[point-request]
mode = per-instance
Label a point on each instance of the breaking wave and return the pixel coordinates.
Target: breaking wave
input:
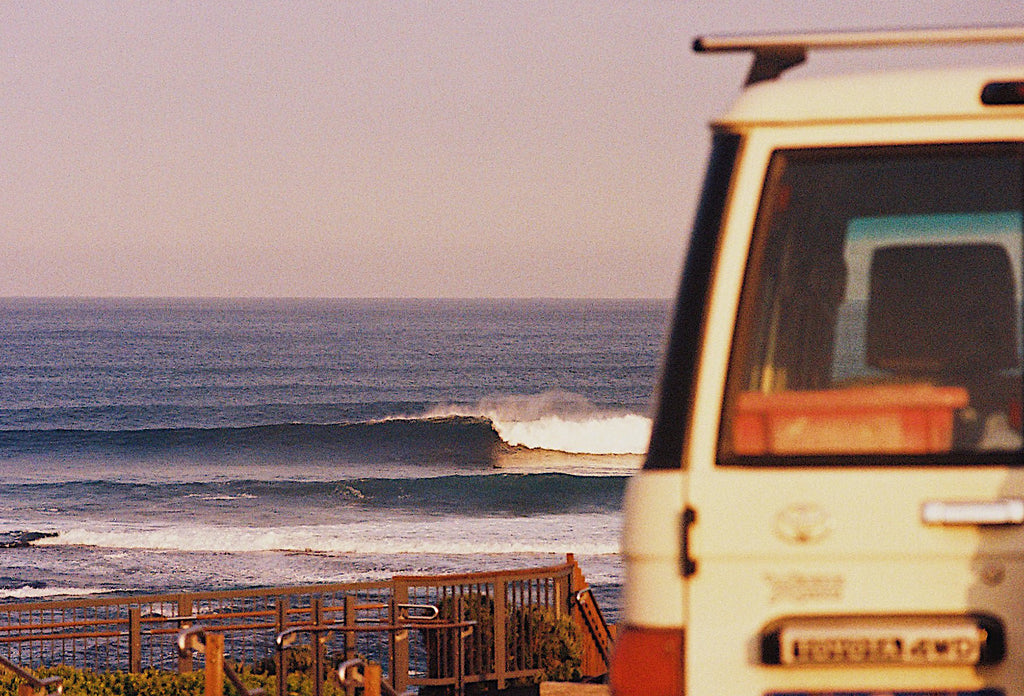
(559, 421)
(460, 435)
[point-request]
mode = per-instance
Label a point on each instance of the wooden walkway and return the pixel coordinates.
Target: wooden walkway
(443, 631)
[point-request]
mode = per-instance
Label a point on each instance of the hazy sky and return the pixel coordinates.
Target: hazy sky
(398, 149)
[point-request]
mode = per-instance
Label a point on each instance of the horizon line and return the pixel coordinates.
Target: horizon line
(453, 298)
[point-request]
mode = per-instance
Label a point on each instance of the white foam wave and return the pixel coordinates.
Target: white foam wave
(591, 533)
(29, 592)
(601, 435)
(560, 421)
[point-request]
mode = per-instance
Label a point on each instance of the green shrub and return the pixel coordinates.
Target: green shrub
(547, 641)
(84, 682)
(89, 683)
(479, 646)
(536, 638)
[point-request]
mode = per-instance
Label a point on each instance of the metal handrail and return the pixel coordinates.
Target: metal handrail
(285, 638)
(582, 593)
(432, 611)
(604, 639)
(192, 638)
(32, 680)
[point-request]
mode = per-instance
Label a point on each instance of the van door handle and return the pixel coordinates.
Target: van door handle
(988, 512)
(688, 565)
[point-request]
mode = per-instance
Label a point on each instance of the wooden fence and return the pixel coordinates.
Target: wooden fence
(133, 633)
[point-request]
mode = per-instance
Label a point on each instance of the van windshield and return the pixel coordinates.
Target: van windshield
(881, 310)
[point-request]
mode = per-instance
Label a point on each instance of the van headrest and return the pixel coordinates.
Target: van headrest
(941, 309)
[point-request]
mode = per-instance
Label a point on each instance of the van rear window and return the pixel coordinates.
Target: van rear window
(881, 311)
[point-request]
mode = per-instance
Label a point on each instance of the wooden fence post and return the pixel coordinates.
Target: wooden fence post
(563, 593)
(184, 609)
(371, 679)
(214, 671)
(349, 606)
(460, 657)
(316, 608)
(134, 640)
(500, 630)
(282, 605)
(399, 642)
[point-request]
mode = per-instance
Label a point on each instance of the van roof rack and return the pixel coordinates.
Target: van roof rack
(774, 54)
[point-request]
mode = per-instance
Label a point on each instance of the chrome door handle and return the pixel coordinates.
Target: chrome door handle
(988, 512)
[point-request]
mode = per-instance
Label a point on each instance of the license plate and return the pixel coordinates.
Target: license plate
(887, 650)
(910, 641)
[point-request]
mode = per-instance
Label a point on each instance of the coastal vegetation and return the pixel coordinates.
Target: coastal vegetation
(537, 638)
(152, 682)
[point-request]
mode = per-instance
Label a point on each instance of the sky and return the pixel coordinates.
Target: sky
(382, 149)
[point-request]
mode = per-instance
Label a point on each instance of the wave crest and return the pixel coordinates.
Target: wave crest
(602, 435)
(559, 421)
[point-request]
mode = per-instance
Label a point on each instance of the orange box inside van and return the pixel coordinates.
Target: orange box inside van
(913, 418)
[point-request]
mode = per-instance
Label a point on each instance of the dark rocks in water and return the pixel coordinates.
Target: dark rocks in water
(20, 539)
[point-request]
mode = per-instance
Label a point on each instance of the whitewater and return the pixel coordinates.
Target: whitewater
(162, 445)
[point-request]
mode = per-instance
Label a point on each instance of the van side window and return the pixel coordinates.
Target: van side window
(881, 310)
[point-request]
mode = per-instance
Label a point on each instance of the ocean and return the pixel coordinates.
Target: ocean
(154, 445)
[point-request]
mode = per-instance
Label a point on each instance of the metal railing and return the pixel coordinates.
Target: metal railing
(458, 631)
(31, 684)
(138, 632)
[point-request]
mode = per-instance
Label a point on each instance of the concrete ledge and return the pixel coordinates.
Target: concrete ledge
(573, 689)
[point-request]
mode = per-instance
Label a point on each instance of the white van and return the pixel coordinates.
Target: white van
(833, 499)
